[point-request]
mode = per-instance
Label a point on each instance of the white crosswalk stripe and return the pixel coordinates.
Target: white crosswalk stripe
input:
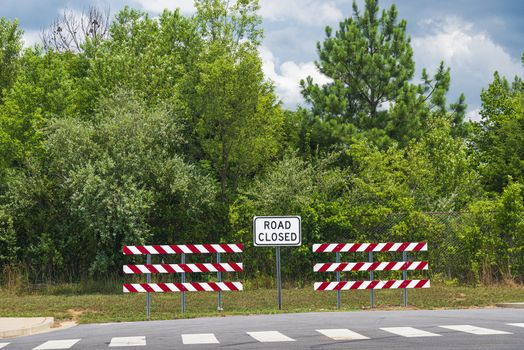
(474, 330)
(203, 338)
(57, 344)
(516, 324)
(341, 334)
(3, 345)
(270, 336)
(128, 341)
(409, 332)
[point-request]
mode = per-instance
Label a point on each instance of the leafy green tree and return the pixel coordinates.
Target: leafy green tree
(369, 60)
(144, 55)
(8, 246)
(45, 87)
(10, 50)
(441, 170)
(290, 186)
(491, 236)
(100, 185)
(500, 133)
(237, 118)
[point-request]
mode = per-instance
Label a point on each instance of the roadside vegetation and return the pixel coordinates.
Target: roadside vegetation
(65, 302)
(164, 130)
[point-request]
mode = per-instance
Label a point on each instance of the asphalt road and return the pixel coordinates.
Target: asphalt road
(438, 329)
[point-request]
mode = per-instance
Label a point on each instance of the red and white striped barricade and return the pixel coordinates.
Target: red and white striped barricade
(182, 269)
(371, 266)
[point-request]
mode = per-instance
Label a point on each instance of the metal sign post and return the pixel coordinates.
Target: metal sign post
(279, 280)
(277, 231)
(148, 296)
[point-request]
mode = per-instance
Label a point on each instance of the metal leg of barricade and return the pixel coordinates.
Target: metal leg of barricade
(183, 294)
(219, 279)
(371, 277)
(148, 295)
(338, 280)
(405, 277)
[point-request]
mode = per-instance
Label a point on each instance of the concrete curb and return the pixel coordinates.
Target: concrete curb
(24, 326)
(511, 305)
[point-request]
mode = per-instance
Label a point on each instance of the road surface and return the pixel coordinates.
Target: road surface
(438, 329)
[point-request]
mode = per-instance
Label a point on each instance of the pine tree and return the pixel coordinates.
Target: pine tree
(370, 61)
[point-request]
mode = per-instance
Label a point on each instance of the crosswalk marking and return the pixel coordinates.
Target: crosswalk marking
(409, 332)
(203, 338)
(474, 330)
(57, 344)
(341, 334)
(128, 341)
(270, 336)
(509, 324)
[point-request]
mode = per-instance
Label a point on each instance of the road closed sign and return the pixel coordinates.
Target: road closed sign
(277, 231)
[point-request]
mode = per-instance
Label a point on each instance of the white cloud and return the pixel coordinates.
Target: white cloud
(157, 6)
(472, 56)
(307, 11)
(474, 115)
(287, 76)
(31, 37)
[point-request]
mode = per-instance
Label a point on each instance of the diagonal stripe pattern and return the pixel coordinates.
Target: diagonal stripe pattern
(370, 247)
(373, 266)
(182, 287)
(389, 284)
(182, 249)
(183, 268)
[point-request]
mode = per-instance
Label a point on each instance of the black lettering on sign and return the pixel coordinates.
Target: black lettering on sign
(277, 231)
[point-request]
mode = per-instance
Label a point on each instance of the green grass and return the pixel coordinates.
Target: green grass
(65, 303)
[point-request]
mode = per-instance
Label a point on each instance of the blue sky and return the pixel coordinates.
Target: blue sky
(474, 38)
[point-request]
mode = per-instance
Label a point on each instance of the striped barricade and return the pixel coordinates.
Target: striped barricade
(182, 287)
(182, 269)
(371, 266)
(182, 249)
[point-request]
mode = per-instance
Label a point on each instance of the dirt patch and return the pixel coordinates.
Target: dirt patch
(76, 313)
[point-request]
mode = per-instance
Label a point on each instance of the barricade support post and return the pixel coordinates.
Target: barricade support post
(148, 296)
(338, 280)
(183, 278)
(219, 279)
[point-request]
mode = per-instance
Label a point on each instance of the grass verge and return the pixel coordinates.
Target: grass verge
(90, 308)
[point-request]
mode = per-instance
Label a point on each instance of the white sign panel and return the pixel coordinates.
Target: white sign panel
(273, 231)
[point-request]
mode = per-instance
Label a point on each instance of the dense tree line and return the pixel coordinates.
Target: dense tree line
(165, 130)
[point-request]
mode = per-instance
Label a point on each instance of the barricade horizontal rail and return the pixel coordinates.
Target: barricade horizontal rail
(389, 284)
(182, 268)
(182, 249)
(370, 247)
(182, 287)
(371, 266)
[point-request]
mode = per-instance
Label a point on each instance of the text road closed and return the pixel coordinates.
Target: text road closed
(277, 231)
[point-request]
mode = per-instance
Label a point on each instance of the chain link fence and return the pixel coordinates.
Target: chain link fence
(463, 247)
